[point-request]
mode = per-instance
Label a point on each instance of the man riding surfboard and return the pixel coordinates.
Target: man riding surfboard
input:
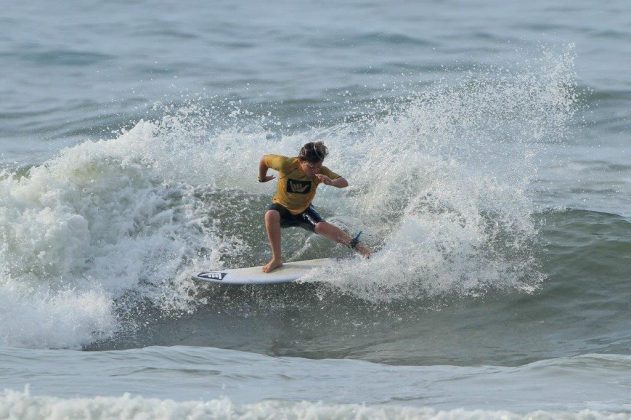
(298, 179)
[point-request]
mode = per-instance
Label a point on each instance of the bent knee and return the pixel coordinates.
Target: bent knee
(272, 215)
(320, 227)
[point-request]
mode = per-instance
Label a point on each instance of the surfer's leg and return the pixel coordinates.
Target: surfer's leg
(272, 225)
(336, 234)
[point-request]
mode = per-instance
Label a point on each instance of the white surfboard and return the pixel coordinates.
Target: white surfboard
(288, 272)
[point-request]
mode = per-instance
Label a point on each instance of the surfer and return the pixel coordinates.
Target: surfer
(298, 179)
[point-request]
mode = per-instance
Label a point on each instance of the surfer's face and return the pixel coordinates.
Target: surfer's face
(310, 168)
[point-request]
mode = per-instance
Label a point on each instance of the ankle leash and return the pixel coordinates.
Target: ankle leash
(353, 243)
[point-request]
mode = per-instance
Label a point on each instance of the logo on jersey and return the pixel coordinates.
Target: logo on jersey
(298, 187)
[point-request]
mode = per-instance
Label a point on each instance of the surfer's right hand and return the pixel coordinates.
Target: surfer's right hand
(266, 178)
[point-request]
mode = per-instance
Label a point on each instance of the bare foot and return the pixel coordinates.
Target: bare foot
(272, 265)
(363, 250)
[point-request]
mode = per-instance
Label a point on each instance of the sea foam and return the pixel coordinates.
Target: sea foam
(439, 186)
(22, 405)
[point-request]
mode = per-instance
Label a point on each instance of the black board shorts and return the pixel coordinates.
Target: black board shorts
(306, 220)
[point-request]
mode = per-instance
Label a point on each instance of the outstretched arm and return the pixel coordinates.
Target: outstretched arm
(263, 177)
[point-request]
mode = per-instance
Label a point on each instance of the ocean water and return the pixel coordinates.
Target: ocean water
(486, 147)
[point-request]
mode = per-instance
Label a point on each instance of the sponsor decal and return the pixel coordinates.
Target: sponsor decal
(212, 275)
(298, 187)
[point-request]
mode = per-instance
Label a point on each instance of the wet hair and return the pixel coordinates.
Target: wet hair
(313, 152)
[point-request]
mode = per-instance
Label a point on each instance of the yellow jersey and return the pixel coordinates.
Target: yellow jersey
(295, 190)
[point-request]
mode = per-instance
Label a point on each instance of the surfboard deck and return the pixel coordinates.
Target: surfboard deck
(287, 273)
